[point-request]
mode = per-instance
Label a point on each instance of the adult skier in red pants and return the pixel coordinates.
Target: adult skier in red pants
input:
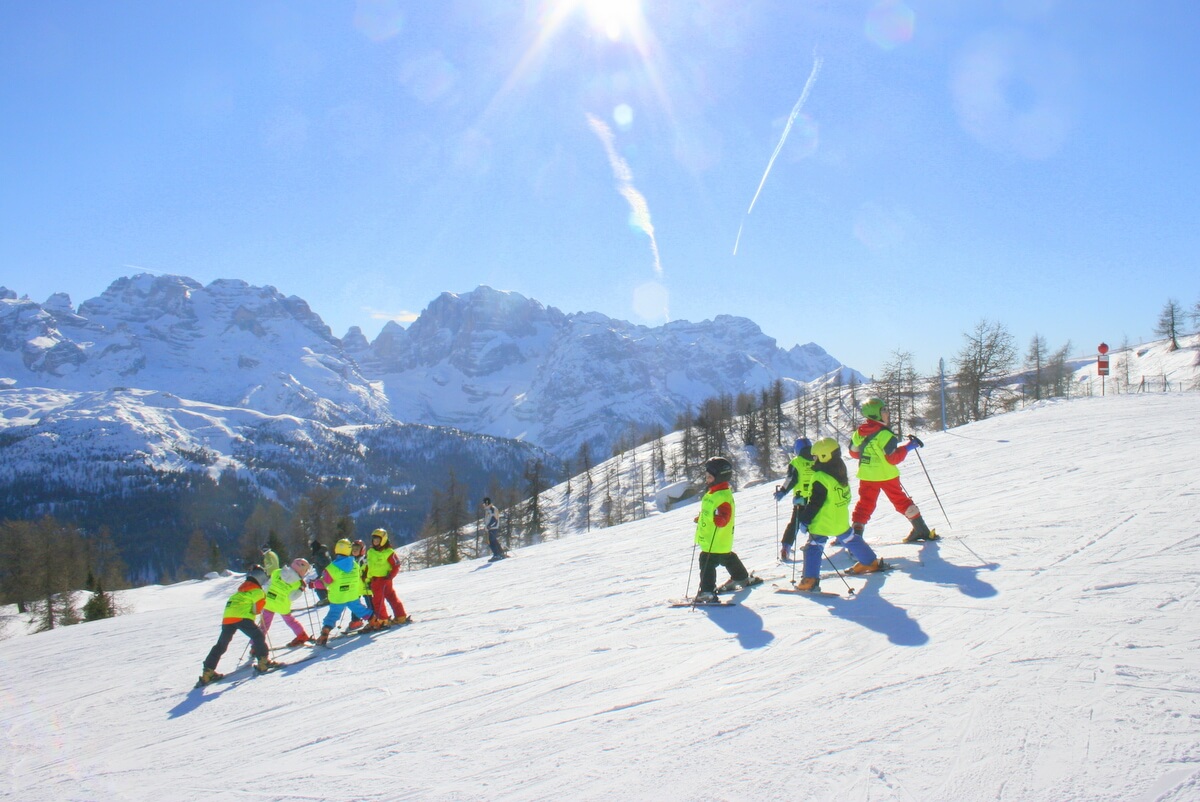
(878, 451)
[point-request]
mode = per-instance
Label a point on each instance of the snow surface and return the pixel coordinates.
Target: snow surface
(1045, 650)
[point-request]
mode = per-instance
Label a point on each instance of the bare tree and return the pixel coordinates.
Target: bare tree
(1035, 363)
(1170, 321)
(983, 365)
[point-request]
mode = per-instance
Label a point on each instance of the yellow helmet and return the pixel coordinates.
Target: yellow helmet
(824, 449)
(382, 535)
(343, 547)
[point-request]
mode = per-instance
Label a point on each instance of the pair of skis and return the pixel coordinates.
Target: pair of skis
(789, 589)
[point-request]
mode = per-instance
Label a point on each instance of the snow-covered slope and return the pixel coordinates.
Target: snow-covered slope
(1045, 650)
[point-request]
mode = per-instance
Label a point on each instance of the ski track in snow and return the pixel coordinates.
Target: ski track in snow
(1045, 649)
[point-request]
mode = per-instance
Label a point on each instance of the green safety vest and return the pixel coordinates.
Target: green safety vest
(279, 592)
(244, 603)
(834, 516)
(710, 537)
(872, 461)
(378, 562)
(804, 476)
(347, 585)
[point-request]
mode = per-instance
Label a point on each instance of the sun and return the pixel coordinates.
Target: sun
(616, 19)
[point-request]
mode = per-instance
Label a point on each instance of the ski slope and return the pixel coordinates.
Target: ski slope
(1046, 649)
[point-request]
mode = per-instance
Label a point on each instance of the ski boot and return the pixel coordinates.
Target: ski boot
(355, 625)
(400, 620)
(264, 665)
(299, 640)
(859, 568)
(323, 638)
(920, 531)
(207, 677)
(705, 597)
(809, 584)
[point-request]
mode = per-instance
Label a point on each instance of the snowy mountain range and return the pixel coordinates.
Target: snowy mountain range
(124, 403)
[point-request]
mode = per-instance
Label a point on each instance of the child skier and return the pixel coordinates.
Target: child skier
(827, 514)
(240, 611)
(714, 532)
(342, 582)
(285, 584)
(382, 567)
(799, 480)
(878, 452)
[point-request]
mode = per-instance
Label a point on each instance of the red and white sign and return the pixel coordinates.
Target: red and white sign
(1102, 360)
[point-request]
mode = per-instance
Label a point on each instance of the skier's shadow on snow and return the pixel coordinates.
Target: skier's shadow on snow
(199, 696)
(934, 568)
(871, 610)
(741, 621)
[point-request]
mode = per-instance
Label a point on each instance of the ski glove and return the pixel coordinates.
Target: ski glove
(914, 442)
(785, 553)
(779, 494)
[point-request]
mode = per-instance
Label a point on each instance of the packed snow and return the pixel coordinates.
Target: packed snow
(1045, 649)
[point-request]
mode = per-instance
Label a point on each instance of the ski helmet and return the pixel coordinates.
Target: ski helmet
(825, 449)
(873, 408)
(801, 445)
(301, 566)
(719, 468)
(487, 500)
(382, 535)
(258, 575)
(343, 547)
(264, 548)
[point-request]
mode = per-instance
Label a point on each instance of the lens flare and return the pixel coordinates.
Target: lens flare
(890, 23)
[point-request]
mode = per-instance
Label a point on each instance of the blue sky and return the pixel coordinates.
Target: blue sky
(1028, 161)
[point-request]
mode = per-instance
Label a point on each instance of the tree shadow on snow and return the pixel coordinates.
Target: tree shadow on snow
(935, 568)
(741, 621)
(871, 610)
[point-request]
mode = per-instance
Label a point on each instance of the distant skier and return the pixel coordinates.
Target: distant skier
(827, 514)
(878, 451)
(240, 611)
(270, 560)
(382, 566)
(284, 586)
(799, 481)
(714, 532)
(491, 522)
(342, 580)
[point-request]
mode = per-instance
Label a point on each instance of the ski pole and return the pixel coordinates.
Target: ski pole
(687, 589)
(836, 571)
(931, 487)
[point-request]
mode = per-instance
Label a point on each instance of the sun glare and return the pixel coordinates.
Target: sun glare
(614, 18)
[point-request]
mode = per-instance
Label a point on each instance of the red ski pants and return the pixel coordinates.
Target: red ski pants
(868, 495)
(383, 594)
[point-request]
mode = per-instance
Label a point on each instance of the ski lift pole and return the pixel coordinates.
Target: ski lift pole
(931, 487)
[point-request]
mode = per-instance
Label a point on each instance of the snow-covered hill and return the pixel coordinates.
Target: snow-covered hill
(1045, 650)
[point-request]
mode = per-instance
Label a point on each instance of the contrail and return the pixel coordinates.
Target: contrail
(637, 203)
(787, 129)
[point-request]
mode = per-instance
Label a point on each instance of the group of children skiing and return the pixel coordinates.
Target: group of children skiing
(817, 479)
(356, 578)
(819, 482)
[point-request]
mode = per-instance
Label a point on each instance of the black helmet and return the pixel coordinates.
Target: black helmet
(720, 469)
(487, 499)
